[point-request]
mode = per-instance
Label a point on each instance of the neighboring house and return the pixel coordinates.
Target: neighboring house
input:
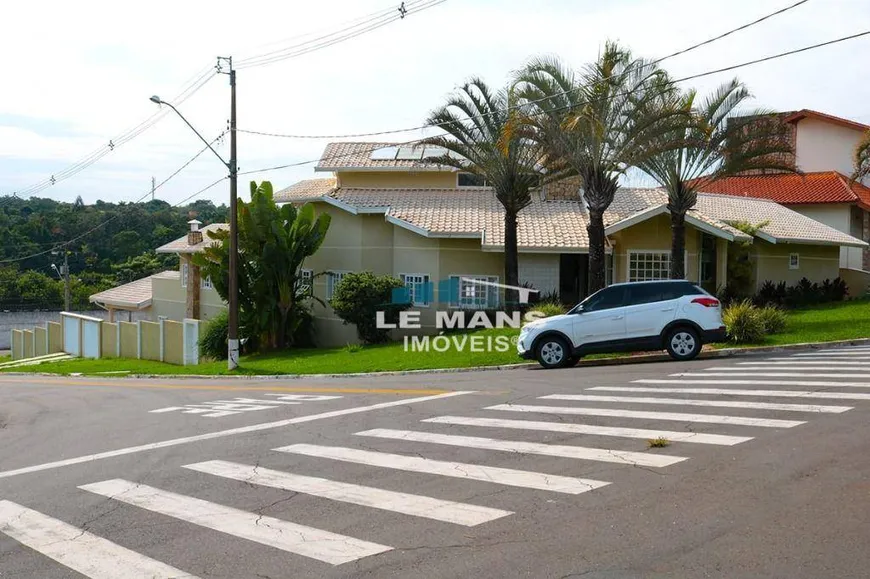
(130, 297)
(822, 148)
(395, 213)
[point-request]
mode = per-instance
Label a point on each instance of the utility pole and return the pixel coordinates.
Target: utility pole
(233, 297)
(153, 187)
(66, 292)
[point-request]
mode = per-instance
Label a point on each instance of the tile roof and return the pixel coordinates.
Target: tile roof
(180, 245)
(305, 190)
(793, 188)
(798, 116)
(357, 156)
(135, 295)
(561, 225)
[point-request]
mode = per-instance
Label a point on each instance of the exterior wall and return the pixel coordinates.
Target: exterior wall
(817, 262)
(30, 320)
(17, 344)
(169, 300)
(393, 179)
(108, 340)
(149, 336)
(129, 340)
(55, 337)
(823, 146)
(653, 235)
(27, 342)
(540, 270)
(40, 342)
(838, 216)
(173, 342)
(858, 281)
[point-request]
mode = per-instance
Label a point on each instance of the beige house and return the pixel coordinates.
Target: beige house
(395, 213)
(822, 148)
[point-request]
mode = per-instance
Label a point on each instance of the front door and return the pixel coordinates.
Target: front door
(707, 268)
(573, 268)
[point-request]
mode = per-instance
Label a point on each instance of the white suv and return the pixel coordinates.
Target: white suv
(627, 317)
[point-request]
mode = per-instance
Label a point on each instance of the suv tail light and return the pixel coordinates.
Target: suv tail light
(707, 302)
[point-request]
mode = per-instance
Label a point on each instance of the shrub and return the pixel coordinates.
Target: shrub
(213, 341)
(771, 293)
(743, 322)
(773, 319)
(360, 296)
(549, 308)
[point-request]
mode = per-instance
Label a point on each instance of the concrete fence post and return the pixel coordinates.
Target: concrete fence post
(139, 339)
(162, 339)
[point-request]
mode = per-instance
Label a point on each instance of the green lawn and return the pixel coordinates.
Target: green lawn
(842, 321)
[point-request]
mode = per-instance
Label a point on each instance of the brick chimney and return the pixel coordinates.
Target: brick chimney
(194, 236)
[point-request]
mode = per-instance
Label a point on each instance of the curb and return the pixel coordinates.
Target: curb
(640, 359)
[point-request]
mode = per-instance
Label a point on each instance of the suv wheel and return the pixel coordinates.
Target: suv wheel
(553, 352)
(683, 343)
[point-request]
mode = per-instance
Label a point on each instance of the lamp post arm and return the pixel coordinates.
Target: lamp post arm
(207, 144)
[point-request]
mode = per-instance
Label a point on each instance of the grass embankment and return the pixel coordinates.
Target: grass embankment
(841, 321)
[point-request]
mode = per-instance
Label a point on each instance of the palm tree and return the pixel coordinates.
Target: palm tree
(598, 123)
(861, 159)
(709, 142)
(485, 137)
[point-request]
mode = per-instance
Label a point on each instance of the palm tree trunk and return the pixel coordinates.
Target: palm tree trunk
(511, 258)
(678, 245)
(595, 229)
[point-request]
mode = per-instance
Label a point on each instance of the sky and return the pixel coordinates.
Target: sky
(78, 74)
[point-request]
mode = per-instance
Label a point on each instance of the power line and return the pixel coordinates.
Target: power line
(189, 89)
(652, 63)
(675, 81)
(58, 245)
(338, 36)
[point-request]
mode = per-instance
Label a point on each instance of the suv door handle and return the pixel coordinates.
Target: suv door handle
(668, 309)
(617, 317)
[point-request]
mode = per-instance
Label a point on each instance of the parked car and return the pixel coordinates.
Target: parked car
(676, 315)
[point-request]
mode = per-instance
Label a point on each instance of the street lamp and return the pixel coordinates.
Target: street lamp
(231, 165)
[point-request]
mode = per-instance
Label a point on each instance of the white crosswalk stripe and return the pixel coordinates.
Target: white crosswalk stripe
(578, 452)
(743, 372)
(816, 368)
(80, 550)
(833, 353)
(732, 392)
(619, 432)
(828, 364)
(804, 383)
(674, 416)
(713, 403)
(491, 474)
(805, 361)
(291, 537)
(408, 504)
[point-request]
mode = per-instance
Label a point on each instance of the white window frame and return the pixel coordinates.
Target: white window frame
(794, 260)
(331, 281)
(667, 252)
(205, 282)
(185, 271)
(413, 281)
(305, 281)
(466, 302)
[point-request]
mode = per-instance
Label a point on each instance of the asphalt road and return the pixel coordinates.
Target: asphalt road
(487, 474)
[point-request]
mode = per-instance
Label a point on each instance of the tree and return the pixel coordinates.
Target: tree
(360, 296)
(861, 159)
(273, 245)
(709, 142)
(485, 137)
(598, 124)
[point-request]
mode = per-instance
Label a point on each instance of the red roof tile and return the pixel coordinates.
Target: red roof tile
(792, 189)
(806, 113)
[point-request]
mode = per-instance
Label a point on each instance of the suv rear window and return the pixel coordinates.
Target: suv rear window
(647, 293)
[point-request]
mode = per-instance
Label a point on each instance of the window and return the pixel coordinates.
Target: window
(470, 180)
(184, 270)
(648, 265)
(468, 292)
(646, 294)
(333, 278)
(305, 281)
(794, 261)
(206, 283)
(417, 285)
(606, 299)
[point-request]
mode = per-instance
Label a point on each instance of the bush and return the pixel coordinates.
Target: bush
(549, 308)
(773, 319)
(360, 296)
(213, 341)
(743, 322)
(804, 293)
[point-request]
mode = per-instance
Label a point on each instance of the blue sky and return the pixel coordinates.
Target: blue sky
(76, 79)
